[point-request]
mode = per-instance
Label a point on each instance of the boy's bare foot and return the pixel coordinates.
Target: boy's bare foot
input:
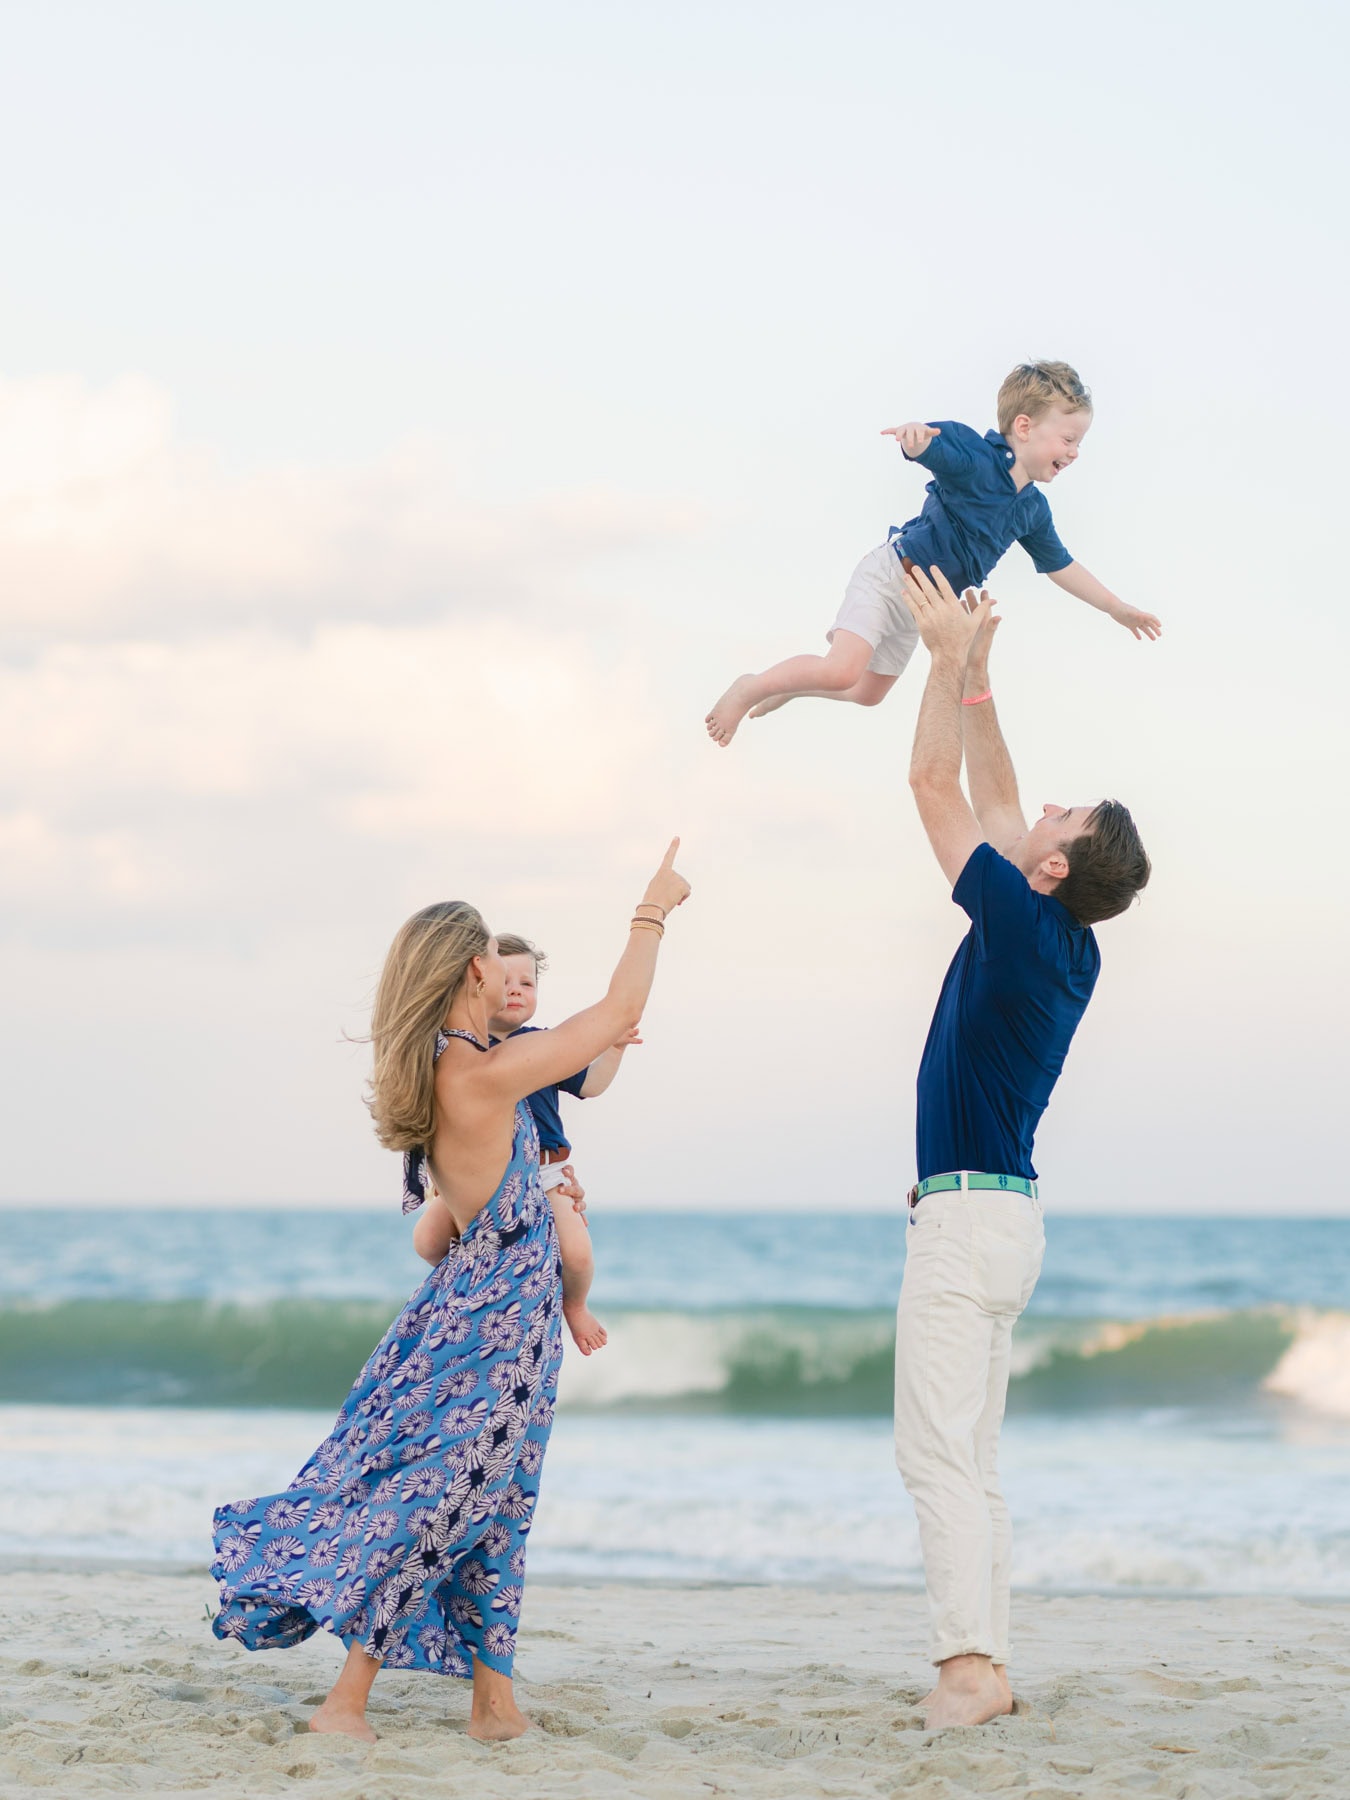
(968, 1692)
(587, 1332)
(730, 710)
(347, 1720)
(772, 704)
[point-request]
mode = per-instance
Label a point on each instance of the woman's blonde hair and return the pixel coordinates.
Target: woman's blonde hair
(424, 970)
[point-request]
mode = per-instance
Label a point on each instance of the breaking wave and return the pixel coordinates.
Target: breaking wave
(804, 1362)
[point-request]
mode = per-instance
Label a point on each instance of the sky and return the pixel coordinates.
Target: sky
(410, 420)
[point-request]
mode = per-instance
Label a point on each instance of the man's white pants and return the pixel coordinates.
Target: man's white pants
(972, 1261)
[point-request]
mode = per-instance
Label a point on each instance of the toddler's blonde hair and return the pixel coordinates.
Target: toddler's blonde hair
(1033, 388)
(510, 943)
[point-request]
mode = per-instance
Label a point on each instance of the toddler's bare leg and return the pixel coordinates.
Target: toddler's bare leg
(834, 673)
(578, 1271)
(870, 689)
(434, 1230)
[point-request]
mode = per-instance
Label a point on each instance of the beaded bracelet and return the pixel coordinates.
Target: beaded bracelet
(648, 925)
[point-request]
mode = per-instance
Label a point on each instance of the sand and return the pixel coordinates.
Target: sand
(110, 1683)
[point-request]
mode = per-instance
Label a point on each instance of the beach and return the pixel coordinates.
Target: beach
(111, 1683)
(724, 1590)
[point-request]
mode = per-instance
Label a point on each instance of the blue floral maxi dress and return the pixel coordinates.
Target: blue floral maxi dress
(405, 1531)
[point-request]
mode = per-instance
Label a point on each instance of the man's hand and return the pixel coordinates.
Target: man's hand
(913, 438)
(948, 626)
(977, 657)
(1142, 624)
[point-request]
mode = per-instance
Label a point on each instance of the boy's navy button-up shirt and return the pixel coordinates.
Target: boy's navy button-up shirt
(1016, 989)
(974, 511)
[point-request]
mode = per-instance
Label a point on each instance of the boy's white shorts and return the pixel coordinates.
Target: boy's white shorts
(874, 608)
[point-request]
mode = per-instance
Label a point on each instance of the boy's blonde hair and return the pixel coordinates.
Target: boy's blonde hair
(424, 970)
(1033, 388)
(510, 943)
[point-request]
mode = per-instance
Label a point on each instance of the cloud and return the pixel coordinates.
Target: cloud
(220, 690)
(110, 525)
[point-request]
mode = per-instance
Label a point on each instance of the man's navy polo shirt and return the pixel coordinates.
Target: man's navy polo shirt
(1018, 985)
(974, 510)
(543, 1103)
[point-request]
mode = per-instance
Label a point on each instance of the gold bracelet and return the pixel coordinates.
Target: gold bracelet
(648, 925)
(653, 903)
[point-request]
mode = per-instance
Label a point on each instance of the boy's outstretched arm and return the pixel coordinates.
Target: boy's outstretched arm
(913, 438)
(1084, 585)
(606, 1066)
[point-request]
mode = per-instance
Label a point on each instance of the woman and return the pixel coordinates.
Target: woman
(404, 1534)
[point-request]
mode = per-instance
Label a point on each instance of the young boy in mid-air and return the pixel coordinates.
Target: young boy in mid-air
(982, 498)
(432, 1234)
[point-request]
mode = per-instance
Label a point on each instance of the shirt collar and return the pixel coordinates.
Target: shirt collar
(999, 443)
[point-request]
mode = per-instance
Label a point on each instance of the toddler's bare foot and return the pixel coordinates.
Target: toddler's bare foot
(344, 1719)
(730, 710)
(772, 704)
(496, 1721)
(587, 1332)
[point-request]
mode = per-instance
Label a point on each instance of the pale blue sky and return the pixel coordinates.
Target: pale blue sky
(411, 418)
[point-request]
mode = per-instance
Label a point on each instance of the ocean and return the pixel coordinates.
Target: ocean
(1178, 1420)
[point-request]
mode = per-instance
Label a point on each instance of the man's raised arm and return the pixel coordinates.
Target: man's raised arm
(947, 630)
(989, 770)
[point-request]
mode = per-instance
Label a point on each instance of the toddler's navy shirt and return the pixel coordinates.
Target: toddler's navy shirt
(974, 511)
(543, 1103)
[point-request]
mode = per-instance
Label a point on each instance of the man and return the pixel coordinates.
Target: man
(1012, 999)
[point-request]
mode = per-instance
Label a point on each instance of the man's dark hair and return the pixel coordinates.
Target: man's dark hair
(1107, 865)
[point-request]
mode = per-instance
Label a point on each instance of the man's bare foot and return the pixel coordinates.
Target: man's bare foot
(968, 1692)
(496, 1721)
(772, 704)
(347, 1720)
(587, 1332)
(1000, 1675)
(730, 710)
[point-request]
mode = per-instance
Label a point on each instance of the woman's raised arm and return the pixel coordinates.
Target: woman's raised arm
(538, 1058)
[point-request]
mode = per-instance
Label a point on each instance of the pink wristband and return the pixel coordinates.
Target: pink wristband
(975, 699)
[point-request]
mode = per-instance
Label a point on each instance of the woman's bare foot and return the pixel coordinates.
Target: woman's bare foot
(772, 704)
(344, 1711)
(968, 1692)
(730, 710)
(587, 1332)
(495, 1718)
(350, 1721)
